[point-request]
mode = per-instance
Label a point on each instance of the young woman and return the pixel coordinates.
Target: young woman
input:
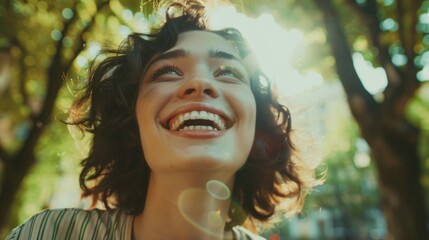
(188, 141)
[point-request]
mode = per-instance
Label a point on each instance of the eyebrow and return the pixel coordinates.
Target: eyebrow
(179, 53)
(221, 54)
(182, 53)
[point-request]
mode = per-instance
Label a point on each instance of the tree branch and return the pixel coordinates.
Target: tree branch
(14, 42)
(402, 85)
(4, 156)
(368, 13)
(408, 35)
(399, 95)
(413, 34)
(7, 4)
(360, 100)
(55, 81)
(81, 44)
(23, 77)
(24, 158)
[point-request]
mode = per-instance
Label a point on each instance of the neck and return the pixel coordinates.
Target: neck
(185, 205)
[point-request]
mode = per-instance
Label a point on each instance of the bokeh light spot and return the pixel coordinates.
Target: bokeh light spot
(214, 219)
(56, 35)
(389, 24)
(373, 79)
(189, 204)
(399, 59)
(67, 13)
(82, 61)
(218, 190)
(127, 15)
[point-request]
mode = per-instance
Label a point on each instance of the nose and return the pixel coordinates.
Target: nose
(200, 85)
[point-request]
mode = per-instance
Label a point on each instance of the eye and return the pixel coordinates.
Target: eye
(168, 69)
(229, 71)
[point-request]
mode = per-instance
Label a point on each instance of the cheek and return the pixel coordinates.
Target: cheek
(142, 114)
(147, 108)
(151, 101)
(249, 109)
(143, 109)
(246, 104)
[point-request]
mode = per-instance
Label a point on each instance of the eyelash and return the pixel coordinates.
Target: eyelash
(228, 69)
(166, 69)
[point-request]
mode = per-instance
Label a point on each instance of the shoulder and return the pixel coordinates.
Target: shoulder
(241, 233)
(73, 223)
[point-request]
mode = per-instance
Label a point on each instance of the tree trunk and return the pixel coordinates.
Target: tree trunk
(392, 139)
(17, 165)
(11, 181)
(399, 171)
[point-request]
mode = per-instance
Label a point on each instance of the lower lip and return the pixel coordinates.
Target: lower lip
(198, 133)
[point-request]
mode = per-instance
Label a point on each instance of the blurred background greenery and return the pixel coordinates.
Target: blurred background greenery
(365, 103)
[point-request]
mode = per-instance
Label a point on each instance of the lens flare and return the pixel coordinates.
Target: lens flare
(218, 190)
(215, 219)
(194, 201)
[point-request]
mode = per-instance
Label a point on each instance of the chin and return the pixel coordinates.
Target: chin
(207, 162)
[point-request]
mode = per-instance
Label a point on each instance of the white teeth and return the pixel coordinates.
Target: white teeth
(186, 116)
(177, 121)
(194, 115)
(204, 115)
(211, 116)
(222, 125)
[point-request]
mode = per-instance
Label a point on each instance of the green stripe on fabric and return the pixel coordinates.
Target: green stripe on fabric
(33, 219)
(65, 224)
(57, 223)
(117, 220)
(97, 226)
(19, 233)
(108, 227)
(84, 225)
(42, 225)
(71, 225)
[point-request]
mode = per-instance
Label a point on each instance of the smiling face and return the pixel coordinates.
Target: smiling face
(195, 108)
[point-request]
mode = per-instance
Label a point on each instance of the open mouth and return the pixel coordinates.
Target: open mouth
(197, 120)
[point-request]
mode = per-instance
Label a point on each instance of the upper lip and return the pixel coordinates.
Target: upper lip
(197, 107)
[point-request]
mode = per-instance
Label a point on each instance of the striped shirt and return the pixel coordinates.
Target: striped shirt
(75, 224)
(72, 223)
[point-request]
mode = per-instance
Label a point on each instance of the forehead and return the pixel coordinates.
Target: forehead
(202, 41)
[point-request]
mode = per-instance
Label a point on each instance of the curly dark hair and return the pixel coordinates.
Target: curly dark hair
(116, 161)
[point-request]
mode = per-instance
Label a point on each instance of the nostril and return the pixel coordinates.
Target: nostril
(208, 91)
(198, 91)
(189, 91)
